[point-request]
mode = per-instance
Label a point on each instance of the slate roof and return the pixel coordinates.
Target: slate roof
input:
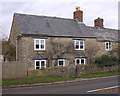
(54, 26)
(51, 26)
(105, 34)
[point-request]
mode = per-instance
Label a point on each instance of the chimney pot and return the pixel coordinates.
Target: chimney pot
(77, 8)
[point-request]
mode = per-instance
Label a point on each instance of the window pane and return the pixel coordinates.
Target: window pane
(78, 61)
(106, 45)
(37, 63)
(110, 45)
(37, 46)
(37, 41)
(77, 44)
(60, 63)
(42, 44)
(81, 44)
(82, 61)
(42, 64)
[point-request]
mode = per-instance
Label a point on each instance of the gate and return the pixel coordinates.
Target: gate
(72, 72)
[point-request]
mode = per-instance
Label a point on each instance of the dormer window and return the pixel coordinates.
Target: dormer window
(108, 46)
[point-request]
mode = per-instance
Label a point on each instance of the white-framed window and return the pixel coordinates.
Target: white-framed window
(108, 45)
(81, 61)
(61, 62)
(39, 44)
(79, 44)
(40, 64)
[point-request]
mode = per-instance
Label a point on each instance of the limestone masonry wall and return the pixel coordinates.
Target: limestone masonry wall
(22, 70)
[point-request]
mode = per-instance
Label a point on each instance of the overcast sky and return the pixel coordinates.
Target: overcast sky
(92, 9)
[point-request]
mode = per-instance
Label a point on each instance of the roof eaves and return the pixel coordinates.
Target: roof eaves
(59, 35)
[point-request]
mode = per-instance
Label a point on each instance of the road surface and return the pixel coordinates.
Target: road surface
(83, 87)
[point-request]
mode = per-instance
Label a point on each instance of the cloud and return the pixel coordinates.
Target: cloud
(106, 9)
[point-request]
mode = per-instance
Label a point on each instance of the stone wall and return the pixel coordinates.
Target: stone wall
(55, 71)
(22, 70)
(101, 46)
(14, 32)
(14, 70)
(26, 50)
(84, 70)
(69, 72)
(93, 49)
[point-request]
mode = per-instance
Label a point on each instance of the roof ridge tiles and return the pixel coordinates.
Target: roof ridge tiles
(55, 17)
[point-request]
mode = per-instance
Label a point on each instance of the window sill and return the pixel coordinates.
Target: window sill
(39, 51)
(108, 50)
(79, 49)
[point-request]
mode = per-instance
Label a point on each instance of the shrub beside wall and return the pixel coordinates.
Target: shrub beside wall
(106, 60)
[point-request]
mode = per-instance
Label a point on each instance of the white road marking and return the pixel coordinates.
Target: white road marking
(102, 88)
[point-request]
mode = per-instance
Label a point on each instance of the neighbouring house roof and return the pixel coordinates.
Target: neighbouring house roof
(105, 34)
(51, 26)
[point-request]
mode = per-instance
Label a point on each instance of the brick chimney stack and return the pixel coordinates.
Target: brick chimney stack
(98, 23)
(78, 14)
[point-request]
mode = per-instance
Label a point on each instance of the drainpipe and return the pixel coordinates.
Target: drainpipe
(17, 38)
(16, 49)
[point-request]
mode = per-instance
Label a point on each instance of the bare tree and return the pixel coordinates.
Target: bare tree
(91, 51)
(58, 49)
(114, 52)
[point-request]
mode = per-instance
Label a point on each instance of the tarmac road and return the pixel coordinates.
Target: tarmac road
(82, 87)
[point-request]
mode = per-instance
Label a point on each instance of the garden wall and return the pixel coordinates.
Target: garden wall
(84, 70)
(55, 71)
(21, 70)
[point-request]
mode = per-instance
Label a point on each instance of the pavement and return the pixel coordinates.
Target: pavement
(52, 83)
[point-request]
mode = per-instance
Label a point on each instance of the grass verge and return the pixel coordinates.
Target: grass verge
(34, 80)
(101, 74)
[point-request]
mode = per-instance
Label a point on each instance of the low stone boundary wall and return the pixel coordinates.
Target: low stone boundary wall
(84, 70)
(21, 70)
(55, 71)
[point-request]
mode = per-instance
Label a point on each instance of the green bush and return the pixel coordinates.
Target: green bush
(106, 60)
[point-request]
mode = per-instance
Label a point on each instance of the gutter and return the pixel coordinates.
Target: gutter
(59, 36)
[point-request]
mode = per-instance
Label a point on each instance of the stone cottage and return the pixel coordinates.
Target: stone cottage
(44, 41)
